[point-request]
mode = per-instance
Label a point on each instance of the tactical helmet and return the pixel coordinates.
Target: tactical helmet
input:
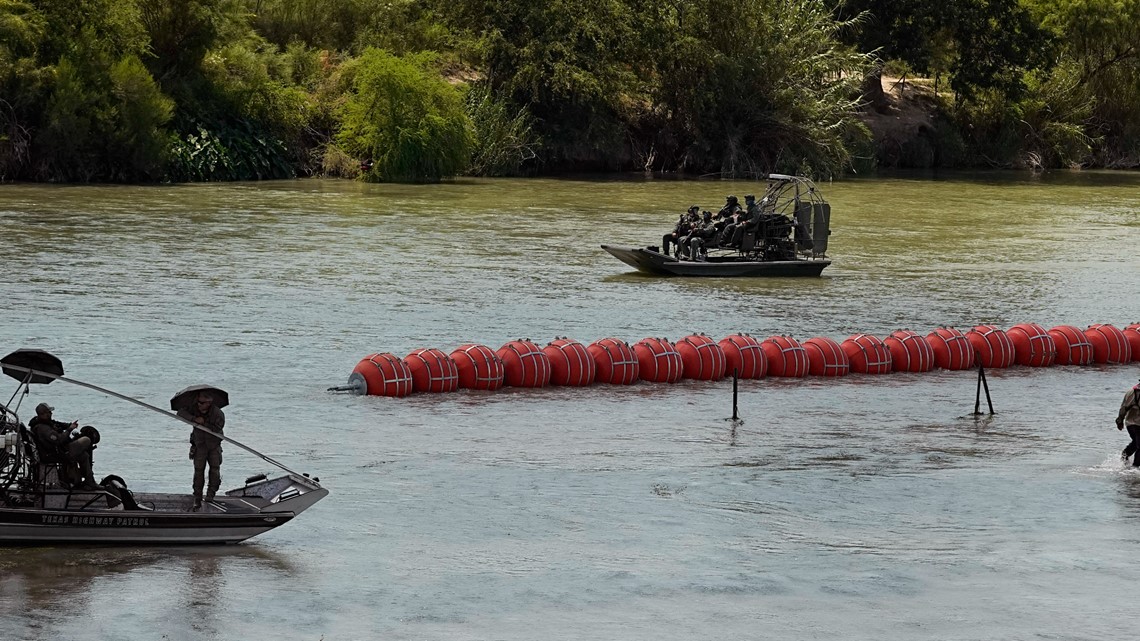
(750, 198)
(731, 199)
(695, 208)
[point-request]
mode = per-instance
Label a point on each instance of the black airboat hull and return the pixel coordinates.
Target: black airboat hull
(26, 526)
(62, 516)
(652, 262)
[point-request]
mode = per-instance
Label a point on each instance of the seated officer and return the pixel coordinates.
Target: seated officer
(680, 230)
(66, 443)
(702, 237)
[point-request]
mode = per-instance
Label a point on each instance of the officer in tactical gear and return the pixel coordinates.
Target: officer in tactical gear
(66, 443)
(680, 230)
(1129, 416)
(205, 448)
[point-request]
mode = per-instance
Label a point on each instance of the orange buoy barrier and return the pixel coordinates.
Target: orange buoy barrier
(432, 371)
(868, 354)
(478, 367)
(1109, 344)
(992, 345)
(615, 361)
(524, 364)
(570, 363)
(826, 357)
(1032, 345)
(702, 359)
(658, 361)
(1132, 333)
(1073, 347)
(786, 357)
(382, 375)
(952, 350)
(742, 354)
(910, 352)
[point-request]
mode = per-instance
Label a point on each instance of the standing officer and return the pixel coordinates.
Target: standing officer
(1129, 416)
(205, 448)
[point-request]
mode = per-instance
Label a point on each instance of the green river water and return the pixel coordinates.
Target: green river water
(858, 508)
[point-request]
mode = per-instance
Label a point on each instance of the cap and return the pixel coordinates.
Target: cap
(44, 407)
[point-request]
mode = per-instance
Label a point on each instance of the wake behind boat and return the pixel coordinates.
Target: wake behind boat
(40, 502)
(785, 233)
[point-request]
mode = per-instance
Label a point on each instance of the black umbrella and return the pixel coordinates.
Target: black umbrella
(187, 397)
(36, 359)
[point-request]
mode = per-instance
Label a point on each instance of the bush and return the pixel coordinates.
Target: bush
(406, 119)
(504, 139)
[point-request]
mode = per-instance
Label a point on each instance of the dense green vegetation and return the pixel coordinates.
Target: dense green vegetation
(198, 90)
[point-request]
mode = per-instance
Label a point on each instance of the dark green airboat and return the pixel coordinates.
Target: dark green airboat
(789, 240)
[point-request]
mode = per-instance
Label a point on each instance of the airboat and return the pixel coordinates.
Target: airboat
(38, 505)
(790, 240)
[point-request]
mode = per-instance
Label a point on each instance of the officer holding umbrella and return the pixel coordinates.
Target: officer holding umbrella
(202, 405)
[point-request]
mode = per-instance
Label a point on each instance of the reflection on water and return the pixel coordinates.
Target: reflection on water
(60, 592)
(867, 507)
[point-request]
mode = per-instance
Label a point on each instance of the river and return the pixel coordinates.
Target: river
(859, 508)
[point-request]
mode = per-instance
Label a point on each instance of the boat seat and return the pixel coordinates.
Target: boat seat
(50, 474)
(748, 242)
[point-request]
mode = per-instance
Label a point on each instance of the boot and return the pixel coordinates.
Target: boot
(197, 504)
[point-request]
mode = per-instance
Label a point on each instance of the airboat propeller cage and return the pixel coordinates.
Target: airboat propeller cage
(806, 207)
(36, 359)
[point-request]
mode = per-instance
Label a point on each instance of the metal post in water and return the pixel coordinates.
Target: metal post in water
(735, 379)
(978, 394)
(982, 374)
(982, 383)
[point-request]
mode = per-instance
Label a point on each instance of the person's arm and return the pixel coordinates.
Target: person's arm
(1128, 402)
(216, 420)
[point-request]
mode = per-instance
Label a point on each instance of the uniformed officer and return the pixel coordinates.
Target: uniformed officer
(66, 442)
(1129, 416)
(205, 448)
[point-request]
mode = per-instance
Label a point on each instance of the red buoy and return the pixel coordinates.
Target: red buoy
(615, 361)
(786, 357)
(1073, 347)
(1109, 344)
(524, 364)
(382, 375)
(826, 357)
(701, 358)
(910, 352)
(658, 361)
(742, 354)
(1132, 333)
(992, 345)
(1033, 346)
(952, 350)
(868, 354)
(478, 367)
(432, 371)
(570, 363)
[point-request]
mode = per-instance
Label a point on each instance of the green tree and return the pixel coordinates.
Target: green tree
(23, 82)
(990, 44)
(747, 87)
(572, 66)
(405, 118)
(1101, 50)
